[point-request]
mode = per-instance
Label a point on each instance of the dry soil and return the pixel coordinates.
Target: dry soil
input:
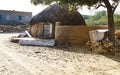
(36, 60)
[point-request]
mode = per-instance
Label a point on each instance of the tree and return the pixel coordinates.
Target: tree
(110, 5)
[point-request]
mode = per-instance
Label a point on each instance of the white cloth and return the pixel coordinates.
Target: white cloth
(99, 34)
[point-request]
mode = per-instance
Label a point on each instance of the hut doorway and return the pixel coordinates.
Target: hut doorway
(42, 30)
(47, 30)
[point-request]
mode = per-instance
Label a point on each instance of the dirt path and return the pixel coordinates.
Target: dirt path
(33, 60)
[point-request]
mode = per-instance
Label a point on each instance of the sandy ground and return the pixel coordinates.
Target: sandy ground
(34, 60)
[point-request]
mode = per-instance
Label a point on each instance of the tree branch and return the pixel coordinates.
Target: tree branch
(97, 6)
(115, 6)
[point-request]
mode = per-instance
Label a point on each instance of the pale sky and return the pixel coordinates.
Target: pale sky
(25, 5)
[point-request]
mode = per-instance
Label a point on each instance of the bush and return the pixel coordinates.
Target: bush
(24, 26)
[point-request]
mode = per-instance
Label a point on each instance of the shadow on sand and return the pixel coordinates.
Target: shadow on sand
(86, 50)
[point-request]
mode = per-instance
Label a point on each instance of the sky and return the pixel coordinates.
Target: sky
(25, 5)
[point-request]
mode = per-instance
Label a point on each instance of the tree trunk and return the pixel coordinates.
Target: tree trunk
(111, 27)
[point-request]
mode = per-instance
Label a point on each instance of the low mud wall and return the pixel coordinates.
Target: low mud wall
(73, 34)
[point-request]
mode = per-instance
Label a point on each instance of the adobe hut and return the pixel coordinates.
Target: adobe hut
(43, 24)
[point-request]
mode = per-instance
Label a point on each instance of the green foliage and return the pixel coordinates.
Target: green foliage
(24, 26)
(117, 21)
(74, 3)
(100, 14)
(100, 18)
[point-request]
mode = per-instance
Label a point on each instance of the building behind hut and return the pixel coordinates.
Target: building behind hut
(12, 17)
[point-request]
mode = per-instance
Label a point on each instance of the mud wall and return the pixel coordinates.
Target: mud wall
(73, 34)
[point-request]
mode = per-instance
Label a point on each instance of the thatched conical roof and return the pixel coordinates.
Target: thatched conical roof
(55, 13)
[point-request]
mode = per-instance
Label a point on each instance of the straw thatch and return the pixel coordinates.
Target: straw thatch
(55, 13)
